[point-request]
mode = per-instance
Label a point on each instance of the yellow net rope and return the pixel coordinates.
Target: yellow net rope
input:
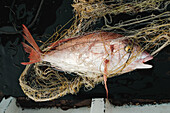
(41, 82)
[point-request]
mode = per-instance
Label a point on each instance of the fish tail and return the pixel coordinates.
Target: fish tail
(34, 51)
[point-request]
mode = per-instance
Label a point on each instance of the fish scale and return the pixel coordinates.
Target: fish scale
(94, 54)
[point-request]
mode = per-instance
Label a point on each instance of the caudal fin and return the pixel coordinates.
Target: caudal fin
(35, 52)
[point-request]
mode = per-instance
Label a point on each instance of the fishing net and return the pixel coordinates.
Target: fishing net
(41, 82)
(153, 38)
(47, 84)
(89, 12)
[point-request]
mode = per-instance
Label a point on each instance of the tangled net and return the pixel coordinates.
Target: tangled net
(152, 38)
(41, 82)
(48, 84)
(87, 12)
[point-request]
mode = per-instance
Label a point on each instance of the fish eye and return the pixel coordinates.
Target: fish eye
(128, 48)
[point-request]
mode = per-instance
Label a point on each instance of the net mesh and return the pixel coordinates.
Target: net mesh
(41, 82)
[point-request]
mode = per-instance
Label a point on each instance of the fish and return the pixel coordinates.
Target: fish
(103, 53)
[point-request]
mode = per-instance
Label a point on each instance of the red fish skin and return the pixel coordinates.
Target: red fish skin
(80, 50)
(94, 54)
(87, 38)
(80, 54)
(87, 54)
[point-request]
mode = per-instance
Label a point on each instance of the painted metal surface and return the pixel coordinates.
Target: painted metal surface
(98, 105)
(9, 106)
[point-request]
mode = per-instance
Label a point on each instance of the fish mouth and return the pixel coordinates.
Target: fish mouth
(146, 57)
(146, 66)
